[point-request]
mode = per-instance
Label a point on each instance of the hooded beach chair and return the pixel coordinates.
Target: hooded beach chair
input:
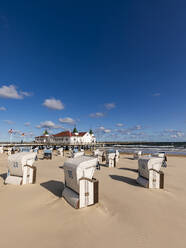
(47, 154)
(60, 151)
(137, 155)
(1, 149)
(81, 189)
(112, 159)
(149, 174)
(101, 157)
(117, 154)
(21, 169)
(95, 152)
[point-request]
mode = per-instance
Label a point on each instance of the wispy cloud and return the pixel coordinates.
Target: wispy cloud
(174, 133)
(97, 115)
(9, 122)
(23, 93)
(3, 108)
(67, 120)
(137, 127)
(27, 124)
(109, 105)
(49, 125)
(107, 130)
(102, 130)
(156, 94)
(119, 125)
(12, 93)
(53, 103)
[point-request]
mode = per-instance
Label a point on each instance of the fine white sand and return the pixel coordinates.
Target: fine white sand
(126, 216)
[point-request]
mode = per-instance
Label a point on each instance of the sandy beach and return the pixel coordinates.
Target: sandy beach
(127, 215)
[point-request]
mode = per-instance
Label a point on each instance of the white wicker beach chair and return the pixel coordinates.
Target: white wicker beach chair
(149, 174)
(81, 189)
(21, 169)
(137, 155)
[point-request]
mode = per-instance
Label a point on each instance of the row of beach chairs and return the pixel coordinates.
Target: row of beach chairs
(81, 188)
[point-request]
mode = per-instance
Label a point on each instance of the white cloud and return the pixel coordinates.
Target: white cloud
(119, 124)
(49, 125)
(97, 115)
(174, 136)
(109, 105)
(137, 127)
(180, 134)
(9, 122)
(174, 133)
(53, 103)
(156, 94)
(106, 130)
(67, 120)
(11, 92)
(27, 124)
(3, 108)
(101, 128)
(25, 93)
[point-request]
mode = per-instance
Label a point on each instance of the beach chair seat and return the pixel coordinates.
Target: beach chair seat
(81, 189)
(21, 169)
(149, 174)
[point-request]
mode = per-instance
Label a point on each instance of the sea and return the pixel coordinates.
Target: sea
(170, 149)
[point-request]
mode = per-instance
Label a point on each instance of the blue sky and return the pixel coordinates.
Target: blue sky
(117, 67)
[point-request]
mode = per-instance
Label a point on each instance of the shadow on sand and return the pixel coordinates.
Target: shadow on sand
(54, 187)
(129, 158)
(129, 169)
(3, 176)
(128, 180)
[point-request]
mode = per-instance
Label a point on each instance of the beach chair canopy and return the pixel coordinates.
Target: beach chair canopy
(76, 168)
(78, 154)
(110, 155)
(147, 163)
(17, 161)
(100, 153)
